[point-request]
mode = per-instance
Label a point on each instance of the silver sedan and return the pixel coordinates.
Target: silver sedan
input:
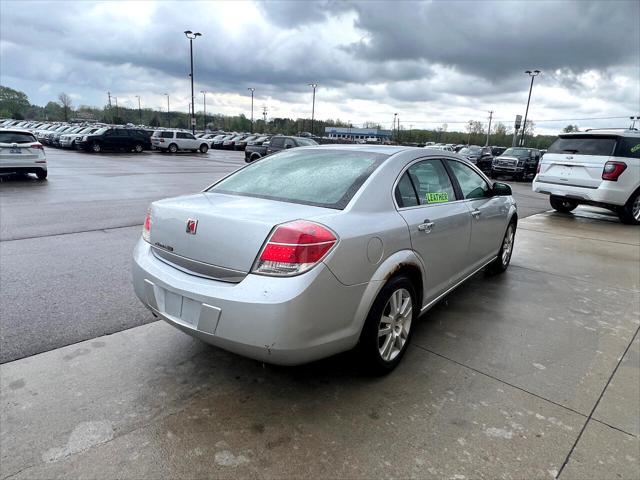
(317, 250)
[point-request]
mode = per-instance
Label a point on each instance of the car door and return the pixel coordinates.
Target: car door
(439, 223)
(276, 144)
(488, 213)
(109, 139)
(190, 141)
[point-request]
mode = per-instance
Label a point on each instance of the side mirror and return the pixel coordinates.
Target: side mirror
(501, 189)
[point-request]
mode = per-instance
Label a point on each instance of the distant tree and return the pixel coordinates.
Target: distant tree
(65, 103)
(571, 128)
(500, 129)
(13, 102)
(154, 122)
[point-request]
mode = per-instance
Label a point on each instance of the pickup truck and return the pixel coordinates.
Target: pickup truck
(277, 143)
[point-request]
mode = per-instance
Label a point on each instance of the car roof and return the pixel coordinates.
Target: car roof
(385, 149)
(605, 131)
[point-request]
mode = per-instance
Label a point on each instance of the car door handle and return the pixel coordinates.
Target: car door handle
(476, 213)
(426, 226)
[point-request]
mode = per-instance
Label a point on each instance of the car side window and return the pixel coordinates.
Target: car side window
(182, 135)
(405, 194)
(431, 182)
(471, 184)
(288, 143)
(167, 135)
(189, 136)
(277, 142)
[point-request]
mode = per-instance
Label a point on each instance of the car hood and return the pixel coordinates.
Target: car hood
(510, 157)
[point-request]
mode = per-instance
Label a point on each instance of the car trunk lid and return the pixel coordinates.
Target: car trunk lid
(229, 229)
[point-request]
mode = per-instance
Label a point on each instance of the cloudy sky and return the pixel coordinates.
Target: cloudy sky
(433, 62)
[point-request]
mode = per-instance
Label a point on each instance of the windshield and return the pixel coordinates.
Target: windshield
(305, 142)
(584, 145)
(516, 152)
(324, 178)
(100, 131)
(470, 151)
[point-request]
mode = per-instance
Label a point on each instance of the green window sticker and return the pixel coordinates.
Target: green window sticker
(635, 148)
(437, 197)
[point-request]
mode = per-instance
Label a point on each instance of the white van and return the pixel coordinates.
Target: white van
(596, 167)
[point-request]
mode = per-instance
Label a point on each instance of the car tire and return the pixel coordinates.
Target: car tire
(41, 174)
(254, 157)
(138, 148)
(73, 145)
(502, 261)
(380, 353)
(173, 148)
(630, 212)
(561, 204)
(96, 147)
(204, 148)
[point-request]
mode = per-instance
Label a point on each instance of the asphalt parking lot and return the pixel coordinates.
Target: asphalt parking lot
(533, 374)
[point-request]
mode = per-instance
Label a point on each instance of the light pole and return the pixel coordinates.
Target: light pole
(190, 35)
(204, 102)
(117, 111)
(168, 112)
(313, 104)
(139, 109)
(533, 75)
(395, 136)
(251, 89)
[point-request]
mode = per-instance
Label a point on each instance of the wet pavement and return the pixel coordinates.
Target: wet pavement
(532, 374)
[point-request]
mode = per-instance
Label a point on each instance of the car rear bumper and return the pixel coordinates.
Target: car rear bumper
(284, 321)
(608, 193)
(23, 168)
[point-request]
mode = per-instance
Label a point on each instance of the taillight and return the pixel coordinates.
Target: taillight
(612, 170)
(293, 248)
(146, 230)
(37, 145)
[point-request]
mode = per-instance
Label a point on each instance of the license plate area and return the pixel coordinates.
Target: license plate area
(15, 150)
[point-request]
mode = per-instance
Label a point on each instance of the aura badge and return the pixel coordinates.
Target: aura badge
(192, 226)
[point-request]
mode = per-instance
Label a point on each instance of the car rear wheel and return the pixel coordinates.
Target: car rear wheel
(562, 205)
(387, 330)
(502, 261)
(138, 148)
(41, 174)
(204, 148)
(96, 147)
(173, 148)
(630, 213)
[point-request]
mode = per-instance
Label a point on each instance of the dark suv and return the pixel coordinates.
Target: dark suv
(481, 156)
(126, 139)
(518, 162)
(277, 143)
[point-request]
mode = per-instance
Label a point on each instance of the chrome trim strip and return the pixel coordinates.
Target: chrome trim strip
(199, 269)
(439, 297)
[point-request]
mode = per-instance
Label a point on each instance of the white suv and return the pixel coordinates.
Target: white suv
(175, 140)
(596, 167)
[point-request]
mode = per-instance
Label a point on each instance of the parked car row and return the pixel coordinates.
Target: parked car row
(259, 149)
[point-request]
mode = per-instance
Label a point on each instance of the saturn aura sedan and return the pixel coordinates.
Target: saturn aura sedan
(317, 250)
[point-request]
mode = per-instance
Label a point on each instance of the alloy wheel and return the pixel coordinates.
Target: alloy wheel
(395, 324)
(507, 245)
(635, 209)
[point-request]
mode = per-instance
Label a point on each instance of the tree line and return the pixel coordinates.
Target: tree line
(15, 104)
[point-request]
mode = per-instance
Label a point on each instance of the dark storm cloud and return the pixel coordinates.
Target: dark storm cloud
(498, 38)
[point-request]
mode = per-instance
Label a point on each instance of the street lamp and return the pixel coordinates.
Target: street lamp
(117, 111)
(313, 104)
(251, 89)
(533, 75)
(204, 101)
(393, 130)
(139, 109)
(191, 36)
(168, 112)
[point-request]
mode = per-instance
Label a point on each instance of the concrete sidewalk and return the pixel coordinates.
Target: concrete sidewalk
(532, 374)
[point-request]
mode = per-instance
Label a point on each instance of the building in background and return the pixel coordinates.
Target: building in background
(355, 134)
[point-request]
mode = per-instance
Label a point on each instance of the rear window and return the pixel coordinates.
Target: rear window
(629, 147)
(16, 137)
(583, 145)
(324, 178)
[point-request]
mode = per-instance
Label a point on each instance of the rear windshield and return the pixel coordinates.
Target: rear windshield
(324, 178)
(582, 145)
(16, 137)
